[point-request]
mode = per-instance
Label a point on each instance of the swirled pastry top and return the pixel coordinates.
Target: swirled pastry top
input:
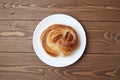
(59, 39)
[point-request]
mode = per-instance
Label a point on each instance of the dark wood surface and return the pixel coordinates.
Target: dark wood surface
(100, 19)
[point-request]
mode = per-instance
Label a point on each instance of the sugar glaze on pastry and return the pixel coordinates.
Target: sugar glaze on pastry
(59, 39)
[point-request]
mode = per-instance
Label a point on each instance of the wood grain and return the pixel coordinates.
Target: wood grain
(107, 39)
(100, 19)
(84, 10)
(28, 67)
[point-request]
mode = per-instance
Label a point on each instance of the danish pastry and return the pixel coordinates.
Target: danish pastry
(59, 39)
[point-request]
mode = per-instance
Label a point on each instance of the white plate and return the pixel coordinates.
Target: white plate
(59, 19)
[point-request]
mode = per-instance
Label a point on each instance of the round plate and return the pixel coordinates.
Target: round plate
(59, 19)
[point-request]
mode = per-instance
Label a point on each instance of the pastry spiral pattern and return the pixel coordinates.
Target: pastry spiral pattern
(59, 39)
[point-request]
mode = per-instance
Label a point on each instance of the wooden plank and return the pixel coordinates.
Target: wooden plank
(98, 2)
(17, 29)
(27, 66)
(84, 10)
(102, 37)
(16, 45)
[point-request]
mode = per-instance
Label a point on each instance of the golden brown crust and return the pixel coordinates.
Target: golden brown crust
(59, 39)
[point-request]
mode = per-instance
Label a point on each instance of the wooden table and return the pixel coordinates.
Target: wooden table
(100, 19)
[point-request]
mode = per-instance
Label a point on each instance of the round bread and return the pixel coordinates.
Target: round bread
(59, 39)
